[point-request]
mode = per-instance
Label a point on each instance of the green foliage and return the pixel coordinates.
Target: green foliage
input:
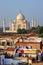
(22, 31)
(41, 35)
(19, 31)
(40, 30)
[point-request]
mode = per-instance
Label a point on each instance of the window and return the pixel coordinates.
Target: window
(3, 43)
(8, 43)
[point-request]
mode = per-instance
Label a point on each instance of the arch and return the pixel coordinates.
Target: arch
(19, 26)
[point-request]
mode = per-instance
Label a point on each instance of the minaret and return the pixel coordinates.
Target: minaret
(4, 25)
(34, 23)
(10, 26)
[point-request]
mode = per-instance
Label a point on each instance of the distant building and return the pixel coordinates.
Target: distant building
(34, 23)
(19, 23)
(34, 42)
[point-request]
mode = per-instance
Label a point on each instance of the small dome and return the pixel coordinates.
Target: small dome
(20, 16)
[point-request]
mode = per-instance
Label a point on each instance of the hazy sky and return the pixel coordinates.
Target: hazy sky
(30, 8)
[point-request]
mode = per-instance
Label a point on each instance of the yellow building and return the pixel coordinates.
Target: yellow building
(19, 23)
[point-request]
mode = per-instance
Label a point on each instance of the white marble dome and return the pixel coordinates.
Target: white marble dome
(20, 16)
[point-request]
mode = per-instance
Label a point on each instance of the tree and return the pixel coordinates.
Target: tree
(24, 31)
(19, 31)
(40, 30)
(41, 35)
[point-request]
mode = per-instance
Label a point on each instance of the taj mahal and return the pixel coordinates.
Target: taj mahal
(19, 23)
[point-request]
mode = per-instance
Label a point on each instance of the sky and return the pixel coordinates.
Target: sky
(9, 9)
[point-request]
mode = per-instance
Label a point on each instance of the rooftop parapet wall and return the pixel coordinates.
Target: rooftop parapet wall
(35, 45)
